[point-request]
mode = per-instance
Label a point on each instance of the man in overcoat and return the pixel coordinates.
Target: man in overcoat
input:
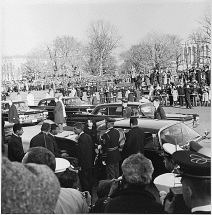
(58, 114)
(85, 162)
(13, 113)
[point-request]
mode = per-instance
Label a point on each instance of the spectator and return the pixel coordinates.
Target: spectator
(42, 139)
(181, 94)
(84, 149)
(135, 140)
(12, 113)
(15, 146)
(187, 96)
(196, 182)
(30, 99)
(70, 200)
(175, 95)
(102, 193)
(130, 195)
(28, 188)
(159, 111)
(205, 96)
(58, 114)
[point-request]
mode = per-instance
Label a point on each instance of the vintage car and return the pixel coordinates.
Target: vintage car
(26, 115)
(140, 109)
(158, 132)
(73, 106)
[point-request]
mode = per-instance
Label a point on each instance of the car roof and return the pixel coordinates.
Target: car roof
(65, 97)
(120, 103)
(147, 124)
(14, 101)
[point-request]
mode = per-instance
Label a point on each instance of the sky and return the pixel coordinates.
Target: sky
(26, 24)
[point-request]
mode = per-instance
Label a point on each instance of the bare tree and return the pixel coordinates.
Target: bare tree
(155, 50)
(103, 39)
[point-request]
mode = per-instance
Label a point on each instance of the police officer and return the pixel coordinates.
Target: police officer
(196, 182)
(110, 151)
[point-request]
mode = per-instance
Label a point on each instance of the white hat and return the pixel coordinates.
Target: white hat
(61, 165)
(171, 148)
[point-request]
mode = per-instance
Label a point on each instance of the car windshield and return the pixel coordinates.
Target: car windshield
(178, 133)
(21, 106)
(147, 110)
(72, 101)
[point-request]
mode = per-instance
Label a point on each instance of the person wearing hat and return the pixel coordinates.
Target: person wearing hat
(110, 151)
(135, 140)
(159, 111)
(126, 111)
(42, 139)
(70, 200)
(194, 168)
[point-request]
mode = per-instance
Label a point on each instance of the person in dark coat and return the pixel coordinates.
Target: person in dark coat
(181, 94)
(91, 129)
(159, 111)
(129, 195)
(126, 111)
(110, 151)
(84, 149)
(58, 114)
(42, 139)
(15, 146)
(187, 96)
(13, 113)
(135, 140)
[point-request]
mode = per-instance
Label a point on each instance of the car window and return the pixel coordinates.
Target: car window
(102, 111)
(43, 103)
(115, 111)
(147, 109)
(21, 106)
(51, 102)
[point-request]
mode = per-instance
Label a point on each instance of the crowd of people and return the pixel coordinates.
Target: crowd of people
(32, 182)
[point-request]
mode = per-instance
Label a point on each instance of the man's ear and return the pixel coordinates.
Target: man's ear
(189, 192)
(50, 161)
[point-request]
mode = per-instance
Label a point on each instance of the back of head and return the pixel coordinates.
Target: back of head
(137, 170)
(40, 155)
(79, 125)
(28, 189)
(68, 179)
(45, 127)
(133, 121)
(17, 127)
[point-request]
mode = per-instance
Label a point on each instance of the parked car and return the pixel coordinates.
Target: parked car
(140, 109)
(158, 132)
(26, 115)
(73, 106)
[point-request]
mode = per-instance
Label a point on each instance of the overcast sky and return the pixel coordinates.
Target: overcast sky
(28, 23)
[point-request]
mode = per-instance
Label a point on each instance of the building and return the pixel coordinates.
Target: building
(12, 68)
(195, 55)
